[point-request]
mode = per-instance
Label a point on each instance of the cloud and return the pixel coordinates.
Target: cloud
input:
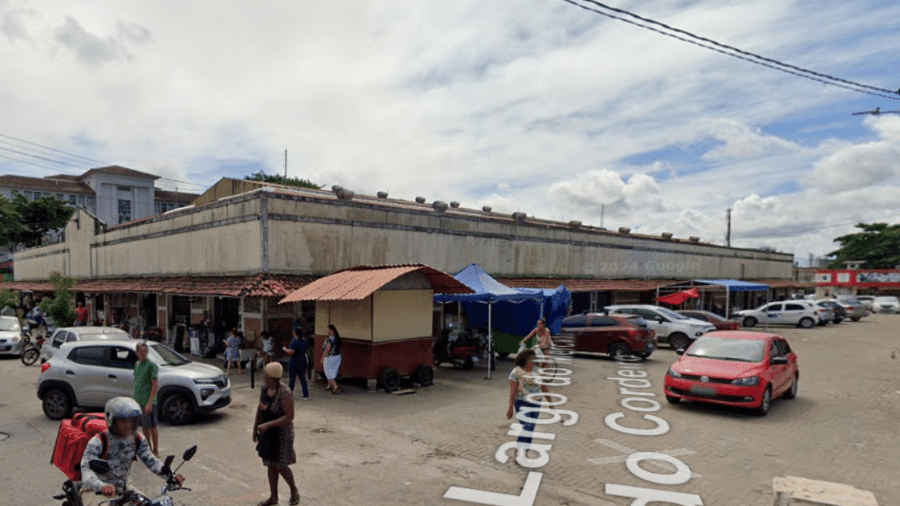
(860, 165)
(94, 50)
(607, 190)
(13, 21)
(738, 141)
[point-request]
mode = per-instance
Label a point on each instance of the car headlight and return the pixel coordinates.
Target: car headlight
(673, 373)
(747, 382)
(15, 339)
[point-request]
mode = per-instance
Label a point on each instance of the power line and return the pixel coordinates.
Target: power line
(749, 57)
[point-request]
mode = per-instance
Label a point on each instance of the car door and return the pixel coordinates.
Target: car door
(120, 380)
(776, 371)
(793, 312)
(790, 370)
(773, 313)
(86, 371)
(597, 336)
(651, 318)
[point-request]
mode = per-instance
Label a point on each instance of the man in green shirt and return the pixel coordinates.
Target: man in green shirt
(146, 386)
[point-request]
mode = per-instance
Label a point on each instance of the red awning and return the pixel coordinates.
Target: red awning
(679, 297)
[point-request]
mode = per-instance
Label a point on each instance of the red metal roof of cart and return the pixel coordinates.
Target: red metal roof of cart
(357, 283)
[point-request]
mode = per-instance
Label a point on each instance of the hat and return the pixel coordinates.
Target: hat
(274, 370)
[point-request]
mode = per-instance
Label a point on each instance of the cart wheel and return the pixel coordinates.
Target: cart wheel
(389, 379)
(424, 375)
(468, 363)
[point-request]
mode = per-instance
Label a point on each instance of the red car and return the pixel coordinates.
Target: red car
(705, 316)
(616, 335)
(735, 368)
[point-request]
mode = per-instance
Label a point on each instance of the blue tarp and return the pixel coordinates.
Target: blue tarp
(520, 318)
(487, 289)
(735, 285)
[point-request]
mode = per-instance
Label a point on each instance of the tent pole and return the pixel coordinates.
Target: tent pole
(727, 302)
(490, 339)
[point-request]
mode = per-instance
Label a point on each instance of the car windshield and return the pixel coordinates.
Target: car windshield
(95, 336)
(885, 299)
(728, 348)
(672, 315)
(166, 356)
(9, 324)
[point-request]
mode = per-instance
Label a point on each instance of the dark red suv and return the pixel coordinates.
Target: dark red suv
(616, 335)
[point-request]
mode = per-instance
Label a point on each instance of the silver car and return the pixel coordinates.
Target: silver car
(89, 373)
(855, 308)
(73, 334)
(10, 336)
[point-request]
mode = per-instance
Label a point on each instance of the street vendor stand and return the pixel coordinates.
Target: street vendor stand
(384, 315)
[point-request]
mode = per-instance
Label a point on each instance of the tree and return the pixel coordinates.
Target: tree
(878, 245)
(278, 179)
(59, 307)
(8, 298)
(26, 222)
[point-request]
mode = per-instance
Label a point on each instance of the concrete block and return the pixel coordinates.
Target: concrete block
(793, 491)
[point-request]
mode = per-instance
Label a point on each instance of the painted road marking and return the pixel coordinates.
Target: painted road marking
(629, 451)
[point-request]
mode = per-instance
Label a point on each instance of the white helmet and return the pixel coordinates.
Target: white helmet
(121, 408)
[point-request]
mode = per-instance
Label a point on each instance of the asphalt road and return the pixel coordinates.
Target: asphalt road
(383, 449)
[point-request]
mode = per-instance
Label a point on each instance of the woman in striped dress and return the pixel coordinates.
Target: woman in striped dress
(331, 359)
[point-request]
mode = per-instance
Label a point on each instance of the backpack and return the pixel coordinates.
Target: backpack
(73, 438)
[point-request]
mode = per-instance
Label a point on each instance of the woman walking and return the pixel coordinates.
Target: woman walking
(542, 333)
(273, 433)
(233, 351)
(522, 383)
(331, 359)
(297, 364)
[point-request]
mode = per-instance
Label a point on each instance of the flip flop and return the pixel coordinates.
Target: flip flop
(337, 390)
(268, 502)
(295, 500)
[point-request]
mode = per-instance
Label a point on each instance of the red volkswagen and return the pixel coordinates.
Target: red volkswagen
(734, 368)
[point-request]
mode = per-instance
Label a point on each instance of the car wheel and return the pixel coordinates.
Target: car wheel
(749, 322)
(389, 379)
(177, 409)
(792, 392)
(765, 402)
(617, 350)
(673, 400)
(57, 404)
(642, 356)
(838, 320)
(807, 323)
(855, 319)
(679, 341)
(424, 375)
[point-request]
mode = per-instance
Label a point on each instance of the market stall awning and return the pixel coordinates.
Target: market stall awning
(784, 283)
(590, 285)
(679, 297)
(484, 288)
(734, 285)
(254, 285)
(357, 283)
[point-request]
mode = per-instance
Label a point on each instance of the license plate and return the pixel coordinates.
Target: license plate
(703, 391)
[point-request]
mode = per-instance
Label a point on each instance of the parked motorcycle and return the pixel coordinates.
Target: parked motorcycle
(31, 351)
(71, 495)
(462, 348)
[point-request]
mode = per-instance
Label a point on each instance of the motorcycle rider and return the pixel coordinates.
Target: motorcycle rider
(124, 445)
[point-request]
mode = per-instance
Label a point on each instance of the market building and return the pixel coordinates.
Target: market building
(242, 245)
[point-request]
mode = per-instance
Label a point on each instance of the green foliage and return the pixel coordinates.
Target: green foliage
(278, 179)
(59, 307)
(25, 222)
(878, 245)
(9, 298)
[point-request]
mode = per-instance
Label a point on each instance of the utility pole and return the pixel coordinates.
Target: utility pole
(601, 215)
(285, 164)
(728, 228)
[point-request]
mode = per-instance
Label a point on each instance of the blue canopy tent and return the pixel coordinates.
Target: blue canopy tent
(518, 318)
(487, 291)
(730, 286)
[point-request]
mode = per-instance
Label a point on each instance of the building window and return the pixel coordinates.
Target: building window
(89, 202)
(125, 189)
(124, 210)
(73, 200)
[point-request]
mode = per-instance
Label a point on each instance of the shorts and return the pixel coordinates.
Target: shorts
(149, 421)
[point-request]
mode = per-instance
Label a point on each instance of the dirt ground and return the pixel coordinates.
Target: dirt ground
(382, 449)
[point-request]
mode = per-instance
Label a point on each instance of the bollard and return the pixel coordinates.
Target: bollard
(253, 373)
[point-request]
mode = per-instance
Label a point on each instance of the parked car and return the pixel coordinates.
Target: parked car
(707, 316)
(805, 314)
(677, 330)
(886, 304)
(735, 368)
(10, 336)
(839, 313)
(74, 334)
(853, 306)
(867, 301)
(616, 334)
(827, 314)
(90, 372)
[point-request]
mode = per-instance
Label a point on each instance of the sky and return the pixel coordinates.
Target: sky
(534, 106)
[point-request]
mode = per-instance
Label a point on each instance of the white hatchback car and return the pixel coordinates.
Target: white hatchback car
(73, 334)
(803, 313)
(886, 304)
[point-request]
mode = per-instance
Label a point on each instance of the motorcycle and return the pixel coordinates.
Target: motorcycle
(71, 495)
(31, 351)
(462, 348)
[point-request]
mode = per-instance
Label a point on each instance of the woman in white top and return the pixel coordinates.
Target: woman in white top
(542, 334)
(522, 384)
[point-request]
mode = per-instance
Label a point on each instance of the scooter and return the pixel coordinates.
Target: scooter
(71, 495)
(461, 348)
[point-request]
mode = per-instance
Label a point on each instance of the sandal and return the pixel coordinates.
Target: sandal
(295, 499)
(269, 502)
(337, 391)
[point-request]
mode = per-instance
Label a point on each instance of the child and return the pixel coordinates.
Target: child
(233, 351)
(268, 346)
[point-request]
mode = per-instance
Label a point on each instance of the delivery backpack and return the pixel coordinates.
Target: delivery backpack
(73, 438)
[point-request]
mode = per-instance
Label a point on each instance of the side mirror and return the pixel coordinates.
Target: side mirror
(779, 360)
(99, 466)
(190, 452)
(660, 319)
(679, 351)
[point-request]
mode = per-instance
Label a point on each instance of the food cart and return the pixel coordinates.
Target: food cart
(384, 315)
